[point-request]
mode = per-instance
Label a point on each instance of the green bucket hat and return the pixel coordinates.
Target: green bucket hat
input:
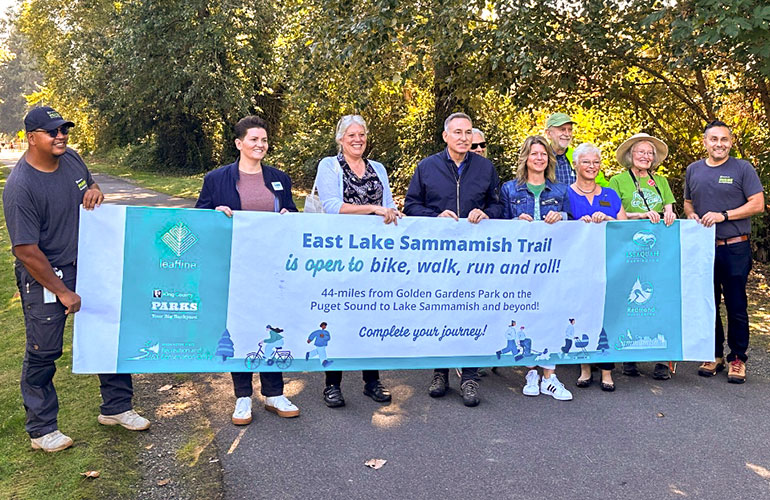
(557, 120)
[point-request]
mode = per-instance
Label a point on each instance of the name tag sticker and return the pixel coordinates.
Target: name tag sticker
(277, 186)
(603, 203)
(48, 296)
(725, 179)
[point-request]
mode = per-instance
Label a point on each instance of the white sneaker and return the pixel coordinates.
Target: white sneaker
(242, 413)
(532, 389)
(128, 419)
(554, 388)
(281, 406)
(53, 441)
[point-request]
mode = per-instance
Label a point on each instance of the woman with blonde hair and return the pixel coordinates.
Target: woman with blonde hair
(534, 196)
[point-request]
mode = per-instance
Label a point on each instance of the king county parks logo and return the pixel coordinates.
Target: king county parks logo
(645, 239)
(179, 239)
(641, 292)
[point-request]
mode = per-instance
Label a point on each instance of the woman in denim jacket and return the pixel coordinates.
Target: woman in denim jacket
(533, 196)
(535, 180)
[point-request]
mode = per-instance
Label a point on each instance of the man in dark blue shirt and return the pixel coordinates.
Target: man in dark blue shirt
(455, 183)
(41, 202)
(725, 191)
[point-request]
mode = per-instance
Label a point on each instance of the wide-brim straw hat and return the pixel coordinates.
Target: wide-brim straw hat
(660, 147)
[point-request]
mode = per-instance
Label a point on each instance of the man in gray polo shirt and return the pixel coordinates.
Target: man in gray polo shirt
(726, 191)
(41, 202)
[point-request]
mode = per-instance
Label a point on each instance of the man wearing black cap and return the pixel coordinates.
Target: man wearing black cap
(41, 202)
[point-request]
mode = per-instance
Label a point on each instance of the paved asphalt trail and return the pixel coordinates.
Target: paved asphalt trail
(689, 437)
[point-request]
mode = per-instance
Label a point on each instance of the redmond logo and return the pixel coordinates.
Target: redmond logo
(640, 293)
(179, 239)
(645, 239)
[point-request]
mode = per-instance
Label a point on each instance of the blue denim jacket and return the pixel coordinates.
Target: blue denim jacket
(517, 200)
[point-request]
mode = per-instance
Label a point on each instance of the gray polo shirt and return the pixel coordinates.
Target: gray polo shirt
(43, 207)
(728, 186)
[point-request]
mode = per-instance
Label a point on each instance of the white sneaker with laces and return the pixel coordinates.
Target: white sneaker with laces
(128, 419)
(242, 413)
(51, 442)
(281, 406)
(554, 388)
(532, 388)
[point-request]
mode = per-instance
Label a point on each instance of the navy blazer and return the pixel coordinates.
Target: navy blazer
(219, 188)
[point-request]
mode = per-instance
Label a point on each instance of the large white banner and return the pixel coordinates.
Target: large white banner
(192, 290)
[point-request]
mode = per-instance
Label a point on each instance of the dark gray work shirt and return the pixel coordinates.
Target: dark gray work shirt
(43, 207)
(728, 186)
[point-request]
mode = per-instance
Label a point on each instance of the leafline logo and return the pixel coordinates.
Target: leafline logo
(179, 239)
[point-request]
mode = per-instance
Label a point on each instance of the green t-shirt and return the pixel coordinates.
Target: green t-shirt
(536, 189)
(632, 201)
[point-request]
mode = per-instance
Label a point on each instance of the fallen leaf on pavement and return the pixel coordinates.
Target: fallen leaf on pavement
(149, 446)
(213, 460)
(92, 474)
(165, 387)
(164, 482)
(375, 463)
(660, 415)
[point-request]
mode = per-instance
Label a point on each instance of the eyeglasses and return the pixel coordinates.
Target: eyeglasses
(477, 145)
(644, 153)
(65, 130)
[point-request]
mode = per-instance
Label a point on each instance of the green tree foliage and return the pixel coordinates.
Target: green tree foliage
(167, 79)
(18, 77)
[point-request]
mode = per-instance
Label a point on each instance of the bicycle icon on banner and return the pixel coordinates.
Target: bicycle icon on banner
(281, 358)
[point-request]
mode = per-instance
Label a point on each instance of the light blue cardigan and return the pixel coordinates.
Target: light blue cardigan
(328, 181)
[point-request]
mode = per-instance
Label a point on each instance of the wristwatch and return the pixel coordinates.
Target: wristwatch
(724, 212)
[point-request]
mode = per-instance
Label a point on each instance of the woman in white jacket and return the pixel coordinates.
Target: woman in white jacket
(349, 183)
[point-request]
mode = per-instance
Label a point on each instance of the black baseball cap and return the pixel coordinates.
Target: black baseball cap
(45, 118)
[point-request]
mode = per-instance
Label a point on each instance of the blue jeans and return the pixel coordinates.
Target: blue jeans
(511, 347)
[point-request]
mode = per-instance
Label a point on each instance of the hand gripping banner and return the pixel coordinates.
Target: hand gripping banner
(185, 290)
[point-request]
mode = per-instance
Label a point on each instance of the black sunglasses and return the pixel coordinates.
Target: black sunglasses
(64, 129)
(482, 145)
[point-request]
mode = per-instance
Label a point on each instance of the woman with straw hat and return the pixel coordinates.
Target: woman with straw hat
(645, 195)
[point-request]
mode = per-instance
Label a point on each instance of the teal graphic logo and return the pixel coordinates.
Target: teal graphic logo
(640, 293)
(643, 252)
(645, 239)
(179, 239)
(628, 341)
(149, 349)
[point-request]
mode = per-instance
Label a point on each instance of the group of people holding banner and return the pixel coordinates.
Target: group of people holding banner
(553, 183)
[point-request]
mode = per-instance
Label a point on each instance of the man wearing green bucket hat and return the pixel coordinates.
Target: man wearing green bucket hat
(559, 131)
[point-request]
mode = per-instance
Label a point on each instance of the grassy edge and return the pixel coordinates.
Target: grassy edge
(181, 186)
(25, 473)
